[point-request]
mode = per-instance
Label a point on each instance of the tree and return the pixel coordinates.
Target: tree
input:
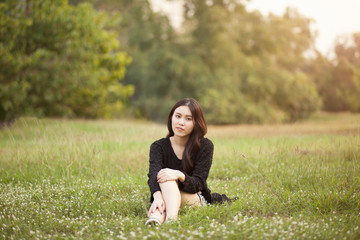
(256, 62)
(157, 64)
(241, 65)
(345, 79)
(59, 60)
(338, 79)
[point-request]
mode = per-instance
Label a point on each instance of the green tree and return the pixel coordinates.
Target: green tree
(150, 40)
(344, 94)
(241, 65)
(256, 62)
(338, 79)
(59, 60)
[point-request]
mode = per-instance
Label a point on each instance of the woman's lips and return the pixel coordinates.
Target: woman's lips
(180, 129)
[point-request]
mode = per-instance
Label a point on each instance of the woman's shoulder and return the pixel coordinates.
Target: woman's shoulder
(206, 149)
(206, 143)
(161, 142)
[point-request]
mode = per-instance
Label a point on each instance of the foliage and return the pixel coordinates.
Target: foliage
(338, 79)
(59, 60)
(344, 93)
(243, 67)
(256, 63)
(240, 65)
(86, 179)
(148, 38)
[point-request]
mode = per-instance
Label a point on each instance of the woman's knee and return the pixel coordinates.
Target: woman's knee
(169, 184)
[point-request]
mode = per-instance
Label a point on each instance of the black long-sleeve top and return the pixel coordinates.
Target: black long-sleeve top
(162, 156)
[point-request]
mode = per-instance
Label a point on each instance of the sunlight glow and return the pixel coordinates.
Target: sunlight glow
(332, 17)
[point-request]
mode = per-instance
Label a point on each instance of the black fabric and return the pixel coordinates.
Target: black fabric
(162, 156)
(217, 198)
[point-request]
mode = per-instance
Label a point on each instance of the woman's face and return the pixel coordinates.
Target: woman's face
(182, 121)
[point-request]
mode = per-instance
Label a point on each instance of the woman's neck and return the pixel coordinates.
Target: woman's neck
(180, 141)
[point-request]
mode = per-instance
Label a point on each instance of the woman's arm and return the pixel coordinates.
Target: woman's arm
(197, 181)
(155, 165)
(168, 174)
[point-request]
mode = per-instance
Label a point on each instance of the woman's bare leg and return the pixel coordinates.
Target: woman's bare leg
(174, 198)
(190, 199)
(171, 194)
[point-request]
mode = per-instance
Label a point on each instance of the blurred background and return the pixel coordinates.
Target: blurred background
(244, 61)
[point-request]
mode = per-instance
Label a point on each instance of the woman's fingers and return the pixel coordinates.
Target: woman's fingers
(152, 209)
(162, 172)
(164, 175)
(160, 177)
(156, 205)
(163, 179)
(162, 208)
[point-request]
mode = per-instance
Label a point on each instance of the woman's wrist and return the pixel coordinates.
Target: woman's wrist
(181, 177)
(157, 195)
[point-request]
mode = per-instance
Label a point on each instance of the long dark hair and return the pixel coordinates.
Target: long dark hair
(200, 129)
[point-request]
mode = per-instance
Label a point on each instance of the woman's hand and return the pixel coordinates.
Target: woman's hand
(168, 174)
(158, 203)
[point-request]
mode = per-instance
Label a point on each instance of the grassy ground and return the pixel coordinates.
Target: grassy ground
(78, 179)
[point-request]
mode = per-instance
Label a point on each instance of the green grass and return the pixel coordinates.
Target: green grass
(81, 179)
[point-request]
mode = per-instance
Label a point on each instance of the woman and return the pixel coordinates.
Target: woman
(180, 164)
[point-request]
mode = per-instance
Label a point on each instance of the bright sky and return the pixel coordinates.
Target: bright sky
(333, 17)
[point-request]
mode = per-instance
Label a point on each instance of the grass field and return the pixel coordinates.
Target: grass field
(82, 179)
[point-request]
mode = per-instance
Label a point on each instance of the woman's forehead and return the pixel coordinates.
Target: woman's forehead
(183, 110)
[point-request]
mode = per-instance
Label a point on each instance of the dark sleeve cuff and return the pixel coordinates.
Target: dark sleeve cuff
(187, 185)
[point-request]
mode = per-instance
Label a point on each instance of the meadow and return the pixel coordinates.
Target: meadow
(87, 179)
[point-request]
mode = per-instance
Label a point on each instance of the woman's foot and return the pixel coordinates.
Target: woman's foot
(152, 222)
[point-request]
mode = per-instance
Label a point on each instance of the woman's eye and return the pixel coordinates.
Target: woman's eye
(189, 119)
